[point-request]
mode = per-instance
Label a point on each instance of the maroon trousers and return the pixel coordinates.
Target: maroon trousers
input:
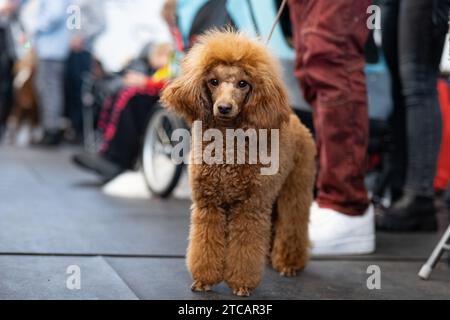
(329, 38)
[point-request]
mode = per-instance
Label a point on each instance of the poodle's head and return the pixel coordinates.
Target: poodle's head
(229, 80)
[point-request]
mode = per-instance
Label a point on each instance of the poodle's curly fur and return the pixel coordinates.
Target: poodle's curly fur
(240, 217)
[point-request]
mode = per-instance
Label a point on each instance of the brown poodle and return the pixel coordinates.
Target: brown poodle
(239, 216)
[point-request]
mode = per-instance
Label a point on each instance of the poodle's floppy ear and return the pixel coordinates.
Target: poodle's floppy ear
(268, 105)
(186, 96)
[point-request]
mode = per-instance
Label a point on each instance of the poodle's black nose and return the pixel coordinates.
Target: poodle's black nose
(225, 108)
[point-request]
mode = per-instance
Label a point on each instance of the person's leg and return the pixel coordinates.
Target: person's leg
(49, 83)
(40, 86)
(397, 146)
(420, 47)
(329, 41)
(78, 66)
(6, 91)
(6, 80)
(330, 38)
(123, 140)
(123, 148)
(420, 54)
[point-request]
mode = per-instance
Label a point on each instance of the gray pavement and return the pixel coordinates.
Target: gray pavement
(53, 216)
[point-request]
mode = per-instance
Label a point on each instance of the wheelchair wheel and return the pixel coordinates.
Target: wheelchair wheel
(160, 172)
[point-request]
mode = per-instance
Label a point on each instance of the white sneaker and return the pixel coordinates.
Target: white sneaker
(334, 233)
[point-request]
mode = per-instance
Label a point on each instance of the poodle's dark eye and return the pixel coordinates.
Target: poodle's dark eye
(214, 82)
(242, 84)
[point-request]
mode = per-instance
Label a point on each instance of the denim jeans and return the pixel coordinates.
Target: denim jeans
(78, 66)
(413, 39)
(49, 84)
(6, 80)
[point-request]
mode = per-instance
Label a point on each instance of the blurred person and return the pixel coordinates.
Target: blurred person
(125, 115)
(8, 11)
(52, 42)
(136, 74)
(329, 39)
(80, 60)
(169, 13)
(413, 39)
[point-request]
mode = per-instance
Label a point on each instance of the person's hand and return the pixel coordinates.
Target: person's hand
(135, 79)
(77, 44)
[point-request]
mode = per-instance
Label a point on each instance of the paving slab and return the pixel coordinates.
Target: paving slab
(132, 235)
(53, 215)
(45, 278)
(169, 279)
(49, 206)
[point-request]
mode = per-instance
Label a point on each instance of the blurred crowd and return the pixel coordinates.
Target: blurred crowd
(48, 60)
(54, 85)
(49, 76)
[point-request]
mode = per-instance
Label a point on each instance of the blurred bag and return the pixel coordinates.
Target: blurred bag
(443, 171)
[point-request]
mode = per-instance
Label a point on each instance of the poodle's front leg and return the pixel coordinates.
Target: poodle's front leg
(247, 247)
(206, 251)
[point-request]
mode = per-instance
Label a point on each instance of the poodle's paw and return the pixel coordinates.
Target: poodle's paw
(199, 286)
(288, 272)
(242, 292)
(289, 268)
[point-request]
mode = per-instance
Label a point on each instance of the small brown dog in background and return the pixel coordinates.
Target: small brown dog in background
(25, 109)
(231, 81)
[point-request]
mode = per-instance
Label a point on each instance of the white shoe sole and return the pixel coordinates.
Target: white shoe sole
(358, 245)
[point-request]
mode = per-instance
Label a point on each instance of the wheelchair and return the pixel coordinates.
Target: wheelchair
(160, 171)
